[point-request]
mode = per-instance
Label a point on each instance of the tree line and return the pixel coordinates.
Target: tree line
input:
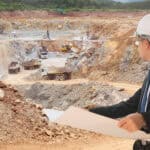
(72, 4)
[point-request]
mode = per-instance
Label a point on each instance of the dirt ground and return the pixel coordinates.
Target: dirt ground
(92, 143)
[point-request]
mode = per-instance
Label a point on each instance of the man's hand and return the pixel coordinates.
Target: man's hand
(88, 107)
(132, 122)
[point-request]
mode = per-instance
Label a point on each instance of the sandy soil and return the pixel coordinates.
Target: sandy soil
(46, 14)
(93, 143)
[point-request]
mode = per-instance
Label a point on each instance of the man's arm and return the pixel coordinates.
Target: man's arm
(120, 110)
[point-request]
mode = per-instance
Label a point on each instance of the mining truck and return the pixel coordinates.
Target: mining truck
(14, 67)
(32, 64)
(43, 54)
(56, 73)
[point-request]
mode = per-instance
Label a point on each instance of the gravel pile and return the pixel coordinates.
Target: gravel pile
(60, 96)
(23, 121)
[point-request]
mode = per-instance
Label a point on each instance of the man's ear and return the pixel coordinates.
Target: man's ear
(146, 44)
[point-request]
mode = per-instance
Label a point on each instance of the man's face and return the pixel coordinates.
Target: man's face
(144, 49)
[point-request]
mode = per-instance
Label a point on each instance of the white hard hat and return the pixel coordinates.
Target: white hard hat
(143, 28)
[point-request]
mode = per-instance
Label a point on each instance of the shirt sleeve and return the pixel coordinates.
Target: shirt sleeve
(120, 110)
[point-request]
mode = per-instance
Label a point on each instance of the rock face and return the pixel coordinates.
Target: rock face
(63, 96)
(23, 121)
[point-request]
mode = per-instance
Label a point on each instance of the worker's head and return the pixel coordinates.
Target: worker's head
(143, 37)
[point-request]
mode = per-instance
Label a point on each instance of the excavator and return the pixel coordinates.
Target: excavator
(66, 48)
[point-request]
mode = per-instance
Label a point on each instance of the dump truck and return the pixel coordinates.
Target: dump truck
(14, 67)
(32, 64)
(43, 55)
(56, 73)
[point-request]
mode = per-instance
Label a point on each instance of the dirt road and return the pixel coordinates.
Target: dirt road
(20, 79)
(129, 88)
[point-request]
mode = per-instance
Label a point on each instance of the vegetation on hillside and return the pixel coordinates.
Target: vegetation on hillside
(62, 5)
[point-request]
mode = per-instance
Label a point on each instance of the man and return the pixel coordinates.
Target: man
(135, 112)
(48, 34)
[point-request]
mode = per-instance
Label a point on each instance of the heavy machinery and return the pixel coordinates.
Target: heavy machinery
(66, 48)
(32, 64)
(43, 54)
(14, 67)
(56, 73)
